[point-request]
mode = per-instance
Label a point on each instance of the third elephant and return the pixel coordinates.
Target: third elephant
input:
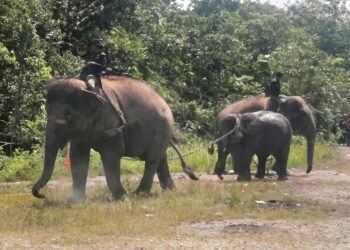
(292, 107)
(261, 133)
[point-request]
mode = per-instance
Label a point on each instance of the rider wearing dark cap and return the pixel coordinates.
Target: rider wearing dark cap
(275, 92)
(96, 62)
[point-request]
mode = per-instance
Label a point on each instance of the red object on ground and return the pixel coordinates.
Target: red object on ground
(67, 160)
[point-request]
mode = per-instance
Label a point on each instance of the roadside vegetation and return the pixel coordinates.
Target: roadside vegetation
(28, 166)
(199, 59)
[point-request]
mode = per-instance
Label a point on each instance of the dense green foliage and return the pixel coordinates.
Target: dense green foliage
(199, 59)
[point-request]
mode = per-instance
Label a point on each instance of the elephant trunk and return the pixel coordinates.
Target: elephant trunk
(51, 149)
(310, 153)
(311, 138)
(211, 149)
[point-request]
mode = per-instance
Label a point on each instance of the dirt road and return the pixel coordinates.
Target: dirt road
(325, 192)
(325, 185)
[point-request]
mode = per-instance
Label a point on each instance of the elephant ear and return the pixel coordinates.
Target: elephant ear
(291, 107)
(249, 123)
(229, 122)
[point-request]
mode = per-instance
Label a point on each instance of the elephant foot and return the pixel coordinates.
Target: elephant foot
(165, 180)
(259, 175)
(167, 184)
(275, 169)
(221, 172)
(282, 177)
(142, 194)
(220, 176)
(243, 178)
(76, 198)
(119, 196)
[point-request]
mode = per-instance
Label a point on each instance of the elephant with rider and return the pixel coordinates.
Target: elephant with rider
(90, 121)
(294, 108)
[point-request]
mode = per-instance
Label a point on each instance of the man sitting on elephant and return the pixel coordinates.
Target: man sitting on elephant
(96, 65)
(274, 92)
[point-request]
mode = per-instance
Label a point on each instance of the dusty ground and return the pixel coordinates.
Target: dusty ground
(325, 186)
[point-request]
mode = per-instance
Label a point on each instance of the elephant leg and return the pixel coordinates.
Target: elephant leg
(260, 172)
(221, 162)
(111, 167)
(234, 163)
(244, 161)
(79, 157)
(164, 176)
(281, 164)
(275, 167)
(147, 178)
(235, 152)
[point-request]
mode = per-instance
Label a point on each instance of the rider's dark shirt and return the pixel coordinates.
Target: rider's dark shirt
(100, 58)
(96, 64)
(275, 88)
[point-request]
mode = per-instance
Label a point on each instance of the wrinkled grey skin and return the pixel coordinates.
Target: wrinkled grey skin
(262, 133)
(90, 122)
(293, 107)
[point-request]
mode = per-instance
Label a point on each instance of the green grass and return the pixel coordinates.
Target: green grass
(56, 222)
(155, 215)
(26, 166)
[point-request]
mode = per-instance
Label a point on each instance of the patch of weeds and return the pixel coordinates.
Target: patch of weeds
(22, 166)
(233, 199)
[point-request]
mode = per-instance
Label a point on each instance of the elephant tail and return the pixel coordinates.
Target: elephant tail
(211, 149)
(185, 167)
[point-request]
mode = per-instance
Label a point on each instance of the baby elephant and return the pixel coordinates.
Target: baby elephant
(262, 133)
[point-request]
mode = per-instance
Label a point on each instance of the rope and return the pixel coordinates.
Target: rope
(208, 144)
(113, 99)
(195, 150)
(3, 143)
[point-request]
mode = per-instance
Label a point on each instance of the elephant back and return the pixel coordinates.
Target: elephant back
(251, 104)
(136, 99)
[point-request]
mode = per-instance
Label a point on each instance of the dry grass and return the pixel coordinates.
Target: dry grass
(157, 218)
(158, 214)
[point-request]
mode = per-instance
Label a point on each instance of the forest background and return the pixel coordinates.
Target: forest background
(199, 59)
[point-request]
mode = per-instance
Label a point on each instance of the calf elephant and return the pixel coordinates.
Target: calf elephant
(293, 107)
(262, 133)
(89, 121)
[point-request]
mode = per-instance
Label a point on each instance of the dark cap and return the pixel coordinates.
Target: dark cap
(97, 42)
(279, 74)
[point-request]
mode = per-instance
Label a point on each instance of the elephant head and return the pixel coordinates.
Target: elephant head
(234, 127)
(230, 127)
(70, 112)
(302, 121)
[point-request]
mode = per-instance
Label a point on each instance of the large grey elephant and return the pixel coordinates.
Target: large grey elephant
(261, 133)
(89, 121)
(293, 107)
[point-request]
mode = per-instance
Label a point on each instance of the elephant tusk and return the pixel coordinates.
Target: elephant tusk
(60, 121)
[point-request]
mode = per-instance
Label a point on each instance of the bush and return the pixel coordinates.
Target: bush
(22, 166)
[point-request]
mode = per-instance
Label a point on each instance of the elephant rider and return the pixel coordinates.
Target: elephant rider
(96, 62)
(275, 92)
